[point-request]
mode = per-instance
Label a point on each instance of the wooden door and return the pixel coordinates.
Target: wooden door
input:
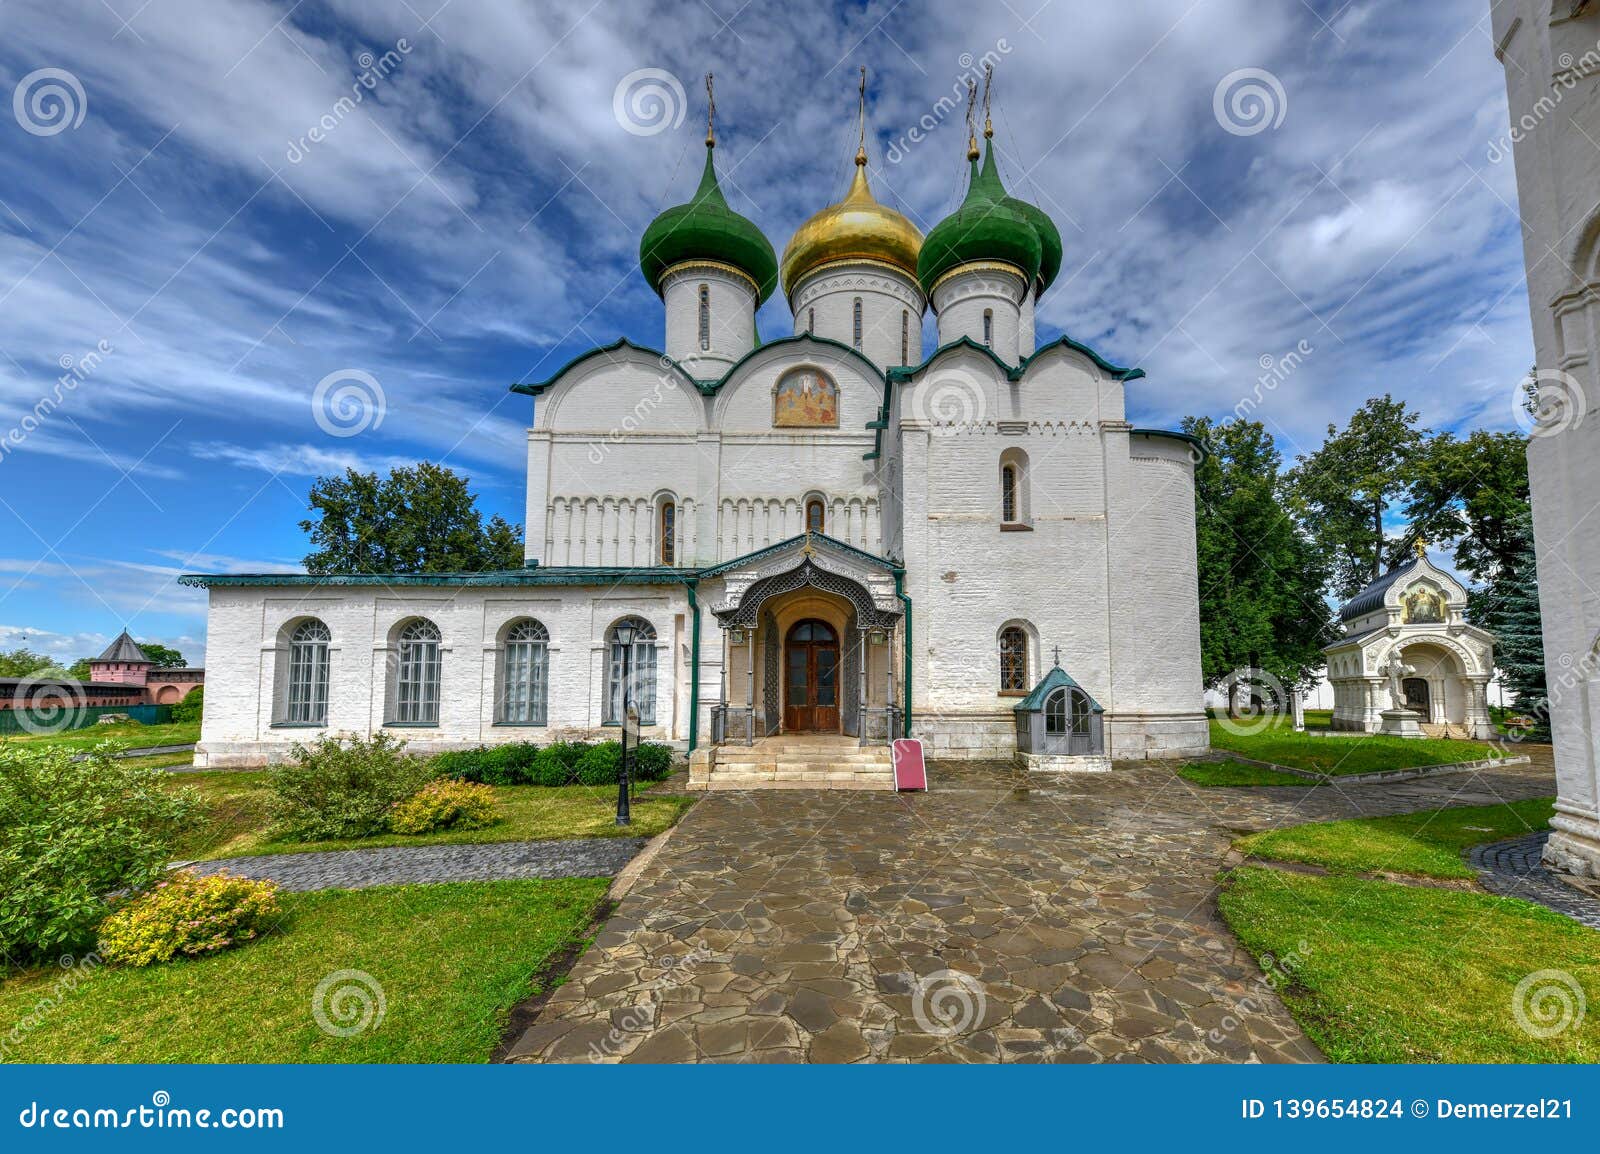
(1418, 697)
(811, 679)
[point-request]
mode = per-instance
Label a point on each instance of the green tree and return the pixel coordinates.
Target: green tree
(1261, 580)
(1347, 486)
(1511, 610)
(1472, 493)
(161, 656)
(79, 669)
(422, 519)
(23, 662)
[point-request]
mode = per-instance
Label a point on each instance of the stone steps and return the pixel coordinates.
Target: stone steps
(810, 762)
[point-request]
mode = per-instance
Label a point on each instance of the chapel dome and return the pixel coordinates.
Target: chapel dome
(1050, 249)
(706, 229)
(988, 227)
(857, 228)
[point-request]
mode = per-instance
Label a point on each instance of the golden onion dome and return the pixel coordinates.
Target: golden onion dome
(858, 228)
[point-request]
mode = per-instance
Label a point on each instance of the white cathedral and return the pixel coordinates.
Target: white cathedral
(798, 548)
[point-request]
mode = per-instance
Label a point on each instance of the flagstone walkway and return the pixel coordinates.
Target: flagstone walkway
(997, 918)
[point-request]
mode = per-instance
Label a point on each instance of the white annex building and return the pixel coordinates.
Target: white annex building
(1551, 53)
(819, 534)
(1408, 631)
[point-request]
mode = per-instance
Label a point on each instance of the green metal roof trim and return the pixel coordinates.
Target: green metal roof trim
(988, 226)
(706, 387)
(562, 575)
(707, 229)
(725, 566)
(1176, 436)
(1052, 681)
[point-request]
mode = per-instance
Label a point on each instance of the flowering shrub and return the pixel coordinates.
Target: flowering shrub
(445, 804)
(72, 832)
(340, 787)
(187, 915)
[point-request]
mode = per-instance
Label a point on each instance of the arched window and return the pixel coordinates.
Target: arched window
(856, 324)
(308, 674)
(1014, 489)
(416, 681)
(705, 317)
(1014, 660)
(667, 532)
(641, 673)
(988, 326)
(905, 336)
(816, 515)
(811, 320)
(1066, 713)
(524, 674)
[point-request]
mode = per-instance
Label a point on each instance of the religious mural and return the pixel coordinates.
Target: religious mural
(1423, 606)
(805, 399)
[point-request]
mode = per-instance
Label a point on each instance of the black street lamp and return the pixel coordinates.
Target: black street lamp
(625, 634)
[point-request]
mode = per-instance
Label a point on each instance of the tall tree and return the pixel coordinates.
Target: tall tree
(23, 662)
(422, 519)
(1348, 485)
(1511, 609)
(162, 657)
(1261, 579)
(1472, 493)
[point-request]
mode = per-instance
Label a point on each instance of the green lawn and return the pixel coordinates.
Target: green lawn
(1370, 753)
(451, 960)
(1319, 718)
(1393, 973)
(1427, 844)
(130, 735)
(1237, 773)
(237, 820)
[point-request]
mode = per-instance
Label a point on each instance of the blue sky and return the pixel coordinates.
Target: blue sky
(474, 220)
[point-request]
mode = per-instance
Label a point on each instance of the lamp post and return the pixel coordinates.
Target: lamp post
(625, 633)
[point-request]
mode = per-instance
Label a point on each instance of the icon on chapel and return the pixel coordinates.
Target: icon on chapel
(805, 399)
(1423, 606)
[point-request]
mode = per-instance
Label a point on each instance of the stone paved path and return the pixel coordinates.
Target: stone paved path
(988, 920)
(356, 869)
(1513, 868)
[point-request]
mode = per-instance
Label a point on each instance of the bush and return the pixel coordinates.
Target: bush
(192, 706)
(341, 787)
(492, 765)
(652, 761)
(73, 832)
(523, 763)
(599, 765)
(445, 804)
(188, 915)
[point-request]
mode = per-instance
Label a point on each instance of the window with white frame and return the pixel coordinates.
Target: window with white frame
(524, 674)
(416, 677)
(640, 674)
(307, 698)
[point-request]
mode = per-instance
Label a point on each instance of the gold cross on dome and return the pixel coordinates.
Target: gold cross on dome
(1421, 548)
(808, 550)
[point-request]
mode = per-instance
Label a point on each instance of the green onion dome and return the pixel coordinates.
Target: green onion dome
(1049, 240)
(706, 229)
(988, 227)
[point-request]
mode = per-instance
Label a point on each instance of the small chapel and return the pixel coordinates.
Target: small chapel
(784, 552)
(1408, 648)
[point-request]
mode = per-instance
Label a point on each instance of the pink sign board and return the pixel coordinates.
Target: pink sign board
(909, 770)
